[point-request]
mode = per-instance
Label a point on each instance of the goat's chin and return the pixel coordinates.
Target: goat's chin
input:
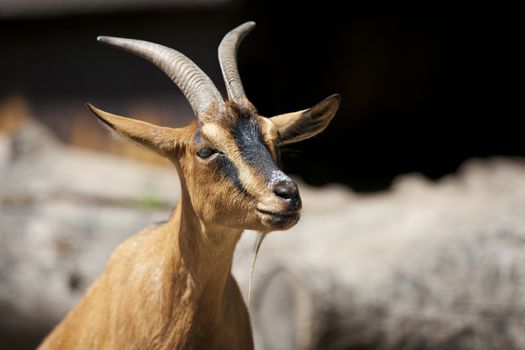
(277, 221)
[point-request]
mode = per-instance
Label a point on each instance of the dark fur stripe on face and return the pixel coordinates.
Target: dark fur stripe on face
(252, 147)
(231, 171)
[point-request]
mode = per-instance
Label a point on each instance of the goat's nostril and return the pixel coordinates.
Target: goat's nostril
(283, 191)
(287, 191)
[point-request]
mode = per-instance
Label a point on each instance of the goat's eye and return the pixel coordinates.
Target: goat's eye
(206, 152)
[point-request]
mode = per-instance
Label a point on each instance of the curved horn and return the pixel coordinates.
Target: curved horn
(193, 82)
(228, 59)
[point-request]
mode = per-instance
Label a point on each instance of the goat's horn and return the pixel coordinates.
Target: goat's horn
(193, 82)
(228, 60)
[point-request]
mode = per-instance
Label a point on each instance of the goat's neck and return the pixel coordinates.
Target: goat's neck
(202, 256)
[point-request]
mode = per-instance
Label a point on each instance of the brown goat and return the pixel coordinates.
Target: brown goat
(170, 286)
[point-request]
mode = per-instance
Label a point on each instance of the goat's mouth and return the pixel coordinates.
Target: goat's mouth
(279, 219)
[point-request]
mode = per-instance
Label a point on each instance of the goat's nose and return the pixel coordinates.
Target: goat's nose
(284, 190)
(288, 191)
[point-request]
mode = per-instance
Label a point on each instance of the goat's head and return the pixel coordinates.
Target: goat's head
(227, 159)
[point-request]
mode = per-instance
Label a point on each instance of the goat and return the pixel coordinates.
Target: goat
(170, 285)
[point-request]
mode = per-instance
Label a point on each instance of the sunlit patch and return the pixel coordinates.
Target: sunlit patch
(278, 176)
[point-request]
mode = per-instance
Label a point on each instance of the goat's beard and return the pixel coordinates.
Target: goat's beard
(255, 251)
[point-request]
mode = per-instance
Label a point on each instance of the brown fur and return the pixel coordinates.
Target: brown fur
(170, 286)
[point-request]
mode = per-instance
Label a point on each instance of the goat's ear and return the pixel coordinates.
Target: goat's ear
(301, 125)
(162, 140)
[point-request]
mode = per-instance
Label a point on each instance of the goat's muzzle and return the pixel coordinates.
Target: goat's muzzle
(283, 209)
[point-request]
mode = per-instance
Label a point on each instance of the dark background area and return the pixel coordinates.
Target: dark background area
(423, 87)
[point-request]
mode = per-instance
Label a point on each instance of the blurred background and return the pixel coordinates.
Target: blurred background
(422, 85)
(426, 88)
